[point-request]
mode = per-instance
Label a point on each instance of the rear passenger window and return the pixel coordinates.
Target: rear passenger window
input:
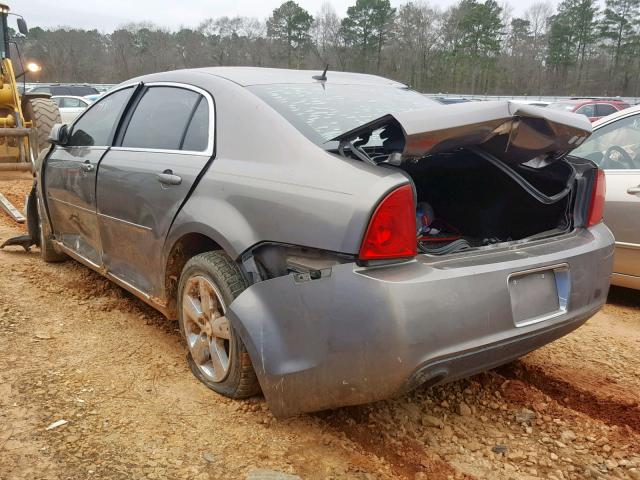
(197, 137)
(160, 119)
(604, 109)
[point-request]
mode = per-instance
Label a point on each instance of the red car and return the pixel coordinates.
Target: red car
(594, 108)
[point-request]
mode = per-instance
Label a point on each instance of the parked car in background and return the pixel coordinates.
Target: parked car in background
(593, 108)
(75, 90)
(70, 106)
(615, 147)
(329, 240)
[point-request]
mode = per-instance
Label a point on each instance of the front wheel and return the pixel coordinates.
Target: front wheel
(217, 357)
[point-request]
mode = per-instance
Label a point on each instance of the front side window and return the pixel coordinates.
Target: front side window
(97, 125)
(70, 102)
(587, 110)
(160, 118)
(614, 146)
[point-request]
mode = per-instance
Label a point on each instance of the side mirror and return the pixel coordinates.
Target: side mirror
(22, 26)
(59, 134)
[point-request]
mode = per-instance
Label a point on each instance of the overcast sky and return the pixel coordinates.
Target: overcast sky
(106, 15)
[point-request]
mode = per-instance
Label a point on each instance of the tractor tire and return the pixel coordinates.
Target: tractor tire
(44, 114)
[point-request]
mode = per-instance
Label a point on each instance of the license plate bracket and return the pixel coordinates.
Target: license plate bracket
(539, 294)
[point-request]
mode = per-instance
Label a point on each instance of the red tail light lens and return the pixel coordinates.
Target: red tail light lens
(596, 208)
(392, 229)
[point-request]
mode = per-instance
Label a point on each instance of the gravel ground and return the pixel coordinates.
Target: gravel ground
(75, 347)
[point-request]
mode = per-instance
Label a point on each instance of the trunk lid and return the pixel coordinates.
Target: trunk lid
(511, 132)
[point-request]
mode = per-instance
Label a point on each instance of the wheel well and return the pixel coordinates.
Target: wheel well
(185, 248)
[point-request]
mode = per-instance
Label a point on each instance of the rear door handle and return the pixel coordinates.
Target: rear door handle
(633, 190)
(168, 178)
(87, 167)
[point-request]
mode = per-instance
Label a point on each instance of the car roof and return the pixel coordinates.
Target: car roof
(614, 116)
(247, 76)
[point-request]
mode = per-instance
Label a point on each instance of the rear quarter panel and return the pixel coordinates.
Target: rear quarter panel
(268, 182)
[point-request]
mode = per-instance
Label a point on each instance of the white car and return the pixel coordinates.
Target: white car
(70, 106)
(615, 147)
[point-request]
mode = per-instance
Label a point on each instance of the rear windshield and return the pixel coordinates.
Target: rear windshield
(322, 112)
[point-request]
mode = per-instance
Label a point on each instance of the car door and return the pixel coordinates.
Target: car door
(143, 180)
(622, 201)
(69, 176)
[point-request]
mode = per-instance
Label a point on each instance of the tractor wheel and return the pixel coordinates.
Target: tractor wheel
(43, 113)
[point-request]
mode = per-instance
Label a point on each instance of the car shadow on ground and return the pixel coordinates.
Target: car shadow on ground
(624, 297)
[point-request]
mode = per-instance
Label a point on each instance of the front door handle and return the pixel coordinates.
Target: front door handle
(168, 178)
(633, 190)
(87, 167)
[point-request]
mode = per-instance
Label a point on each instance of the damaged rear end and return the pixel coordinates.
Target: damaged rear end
(491, 248)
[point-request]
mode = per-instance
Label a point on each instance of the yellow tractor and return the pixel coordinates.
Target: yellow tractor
(25, 119)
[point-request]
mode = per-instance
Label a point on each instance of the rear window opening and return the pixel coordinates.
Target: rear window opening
(466, 202)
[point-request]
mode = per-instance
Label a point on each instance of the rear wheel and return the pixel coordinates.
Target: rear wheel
(44, 114)
(217, 357)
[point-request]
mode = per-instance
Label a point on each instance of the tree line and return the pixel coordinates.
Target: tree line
(476, 47)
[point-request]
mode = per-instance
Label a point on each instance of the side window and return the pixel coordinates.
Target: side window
(41, 90)
(72, 103)
(95, 127)
(614, 146)
(196, 138)
(160, 118)
(604, 109)
(587, 110)
(58, 101)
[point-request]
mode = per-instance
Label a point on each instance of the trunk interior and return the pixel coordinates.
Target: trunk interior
(466, 201)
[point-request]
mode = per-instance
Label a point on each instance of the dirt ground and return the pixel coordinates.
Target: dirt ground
(75, 347)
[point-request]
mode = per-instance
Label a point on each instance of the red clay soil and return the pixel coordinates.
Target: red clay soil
(596, 397)
(408, 456)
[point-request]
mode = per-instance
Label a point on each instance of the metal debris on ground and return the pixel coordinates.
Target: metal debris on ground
(13, 212)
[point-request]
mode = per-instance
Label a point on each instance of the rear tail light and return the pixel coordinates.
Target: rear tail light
(392, 229)
(596, 207)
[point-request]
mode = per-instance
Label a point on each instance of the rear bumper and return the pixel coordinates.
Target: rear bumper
(365, 334)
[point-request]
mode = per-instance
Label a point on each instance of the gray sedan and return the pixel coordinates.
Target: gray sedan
(329, 239)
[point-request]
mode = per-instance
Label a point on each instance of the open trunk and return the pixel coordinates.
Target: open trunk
(484, 173)
(466, 201)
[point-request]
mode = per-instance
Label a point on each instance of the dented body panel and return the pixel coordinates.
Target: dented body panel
(510, 131)
(365, 334)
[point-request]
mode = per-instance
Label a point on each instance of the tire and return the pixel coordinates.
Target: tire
(48, 251)
(218, 276)
(44, 114)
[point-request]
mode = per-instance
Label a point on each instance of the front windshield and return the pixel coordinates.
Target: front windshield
(614, 146)
(322, 112)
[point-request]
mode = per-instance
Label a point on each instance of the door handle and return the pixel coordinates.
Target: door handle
(87, 167)
(633, 190)
(168, 178)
